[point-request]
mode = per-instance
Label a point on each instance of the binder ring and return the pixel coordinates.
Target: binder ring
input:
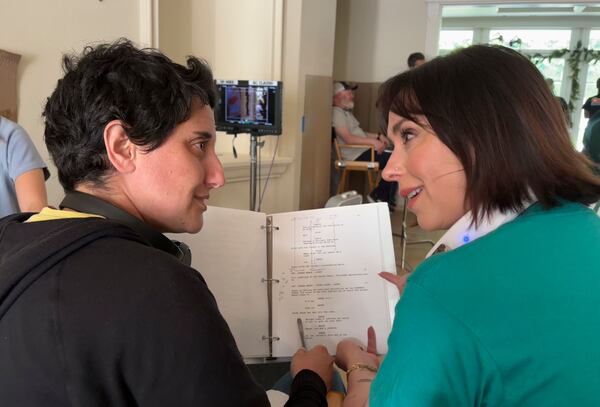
(270, 338)
(269, 280)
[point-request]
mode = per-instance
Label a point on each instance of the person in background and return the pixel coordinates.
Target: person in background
(591, 140)
(563, 103)
(592, 104)
(415, 59)
(348, 131)
(97, 306)
(22, 171)
(504, 311)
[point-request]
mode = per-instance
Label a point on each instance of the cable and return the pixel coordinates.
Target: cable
(269, 173)
(259, 165)
(233, 145)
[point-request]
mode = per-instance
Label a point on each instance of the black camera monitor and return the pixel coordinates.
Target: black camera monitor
(249, 107)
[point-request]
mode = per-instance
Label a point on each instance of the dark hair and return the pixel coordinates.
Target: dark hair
(492, 108)
(413, 58)
(598, 83)
(143, 88)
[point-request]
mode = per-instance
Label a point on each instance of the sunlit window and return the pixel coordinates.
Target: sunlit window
(452, 39)
(594, 39)
(533, 39)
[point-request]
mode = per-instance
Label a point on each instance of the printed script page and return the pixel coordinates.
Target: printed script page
(327, 262)
(231, 254)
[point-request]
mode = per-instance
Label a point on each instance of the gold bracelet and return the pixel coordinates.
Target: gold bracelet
(360, 366)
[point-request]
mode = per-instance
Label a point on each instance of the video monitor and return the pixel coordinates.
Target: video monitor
(249, 107)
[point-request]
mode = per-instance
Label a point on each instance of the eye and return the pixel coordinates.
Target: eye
(201, 145)
(407, 135)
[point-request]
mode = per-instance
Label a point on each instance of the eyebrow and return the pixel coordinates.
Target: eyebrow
(396, 128)
(205, 135)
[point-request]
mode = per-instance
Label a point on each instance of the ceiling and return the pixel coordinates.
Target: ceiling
(523, 10)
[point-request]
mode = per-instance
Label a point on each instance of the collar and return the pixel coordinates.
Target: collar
(462, 232)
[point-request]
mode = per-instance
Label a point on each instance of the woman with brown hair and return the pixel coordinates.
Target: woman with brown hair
(505, 311)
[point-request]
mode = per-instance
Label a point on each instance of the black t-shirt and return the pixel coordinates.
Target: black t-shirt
(592, 105)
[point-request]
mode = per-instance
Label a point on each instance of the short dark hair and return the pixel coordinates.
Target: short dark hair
(491, 107)
(413, 58)
(143, 88)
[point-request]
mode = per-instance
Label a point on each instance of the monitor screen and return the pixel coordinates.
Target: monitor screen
(249, 107)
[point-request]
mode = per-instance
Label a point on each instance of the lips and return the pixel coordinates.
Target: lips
(410, 193)
(202, 199)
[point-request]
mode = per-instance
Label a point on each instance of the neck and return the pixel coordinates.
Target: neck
(112, 195)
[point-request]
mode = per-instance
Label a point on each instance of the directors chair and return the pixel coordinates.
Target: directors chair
(345, 166)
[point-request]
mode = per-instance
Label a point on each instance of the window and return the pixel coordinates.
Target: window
(539, 41)
(452, 39)
(594, 39)
(533, 39)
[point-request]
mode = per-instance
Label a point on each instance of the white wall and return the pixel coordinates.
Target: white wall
(373, 38)
(41, 31)
(257, 39)
(254, 39)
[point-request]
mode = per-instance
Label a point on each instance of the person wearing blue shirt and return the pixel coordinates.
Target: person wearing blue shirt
(22, 171)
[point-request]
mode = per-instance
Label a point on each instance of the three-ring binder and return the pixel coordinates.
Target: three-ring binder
(269, 228)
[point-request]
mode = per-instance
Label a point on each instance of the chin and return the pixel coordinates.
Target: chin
(193, 226)
(429, 225)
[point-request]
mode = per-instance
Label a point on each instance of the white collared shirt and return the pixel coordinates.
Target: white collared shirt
(462, 232)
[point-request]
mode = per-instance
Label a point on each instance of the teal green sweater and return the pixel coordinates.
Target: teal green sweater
(511, 319)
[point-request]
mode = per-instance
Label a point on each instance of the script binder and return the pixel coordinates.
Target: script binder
(321, 265)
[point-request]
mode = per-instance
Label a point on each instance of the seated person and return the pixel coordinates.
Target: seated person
(22, 171)
(97, 306)
(347, 131)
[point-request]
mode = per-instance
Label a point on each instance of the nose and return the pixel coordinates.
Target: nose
(215, 177)
(395, 166)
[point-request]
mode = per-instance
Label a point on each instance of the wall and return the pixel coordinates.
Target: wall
(256, 39)
(374, 37)
(41, 31)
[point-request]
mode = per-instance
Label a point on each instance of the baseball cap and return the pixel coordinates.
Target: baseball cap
(342, 86)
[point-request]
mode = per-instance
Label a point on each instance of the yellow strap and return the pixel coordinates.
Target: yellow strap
(55, 214)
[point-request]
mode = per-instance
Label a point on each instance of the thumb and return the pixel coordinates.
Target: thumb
(398, 281)
(371, 341)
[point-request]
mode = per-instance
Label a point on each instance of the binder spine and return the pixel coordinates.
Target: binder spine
(269, 227)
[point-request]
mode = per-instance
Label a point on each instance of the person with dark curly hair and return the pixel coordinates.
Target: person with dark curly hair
(415, 59)
(504, 311)
(97, 306)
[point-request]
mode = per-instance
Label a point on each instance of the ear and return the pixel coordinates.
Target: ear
(120, 150)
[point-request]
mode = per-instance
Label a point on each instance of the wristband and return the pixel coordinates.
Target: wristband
(360, 366)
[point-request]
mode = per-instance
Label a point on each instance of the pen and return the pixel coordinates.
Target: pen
(301, 332)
